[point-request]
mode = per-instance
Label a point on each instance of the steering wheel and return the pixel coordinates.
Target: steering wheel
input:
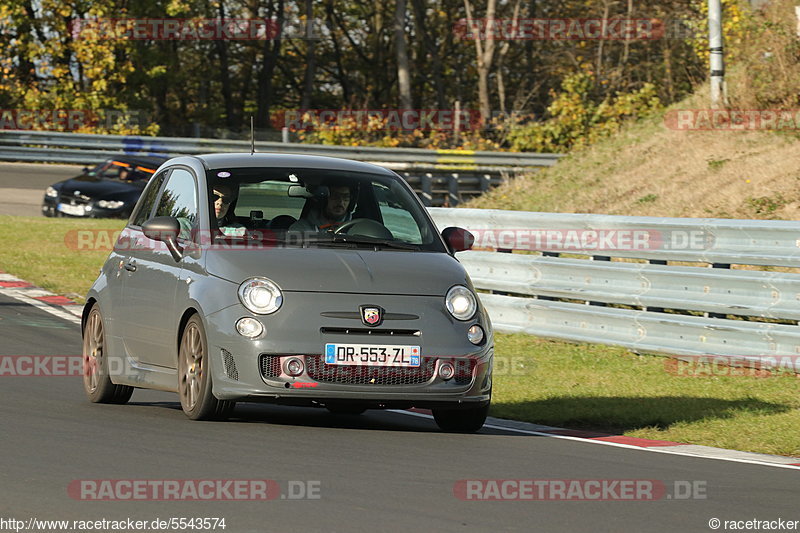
(366, 227)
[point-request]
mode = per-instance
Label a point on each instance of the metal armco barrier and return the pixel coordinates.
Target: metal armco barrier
(440, 177)
(643, 300)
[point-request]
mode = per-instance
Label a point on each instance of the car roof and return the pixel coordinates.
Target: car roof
(151, 161)
(276, 160)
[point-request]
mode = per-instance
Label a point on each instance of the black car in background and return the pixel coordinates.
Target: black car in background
(109, 190)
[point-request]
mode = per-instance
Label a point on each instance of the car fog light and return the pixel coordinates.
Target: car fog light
(294, 366)
(446, 371)
(475, 334)
(249, 327)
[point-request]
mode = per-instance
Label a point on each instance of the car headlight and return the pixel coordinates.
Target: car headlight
(260, 296)
(461, 302)
(110, 204)
(51, 192)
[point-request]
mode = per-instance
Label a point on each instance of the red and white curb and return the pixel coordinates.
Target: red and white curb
(65, 308)
(25, 292)
(635, 443)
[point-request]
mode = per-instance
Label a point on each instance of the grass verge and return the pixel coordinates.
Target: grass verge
(610, 389)
(46, 252)
(594, 387)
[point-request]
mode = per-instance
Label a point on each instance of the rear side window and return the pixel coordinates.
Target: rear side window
(148, 199)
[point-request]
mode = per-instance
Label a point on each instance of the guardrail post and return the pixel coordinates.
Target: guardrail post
(723, 266)
(655, 262)
(599, 258)
(452, 186)
(485, 182)
(427, 189)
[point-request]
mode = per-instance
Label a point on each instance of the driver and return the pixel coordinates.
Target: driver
(223, 195)
(328, 214)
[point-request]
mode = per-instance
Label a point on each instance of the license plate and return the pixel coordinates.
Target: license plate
(75, 210)
(372, 355)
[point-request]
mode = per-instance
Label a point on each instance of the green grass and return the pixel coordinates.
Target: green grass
(610, 389)
(594, 387)
(45, 251)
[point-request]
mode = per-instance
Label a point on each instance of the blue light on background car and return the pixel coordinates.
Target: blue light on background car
(260, 296)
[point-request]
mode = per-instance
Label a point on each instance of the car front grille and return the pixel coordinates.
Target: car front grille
(270, 366)
(370, 375)
(372, 332)
(230, 365)
(71, 199)
(464, 370)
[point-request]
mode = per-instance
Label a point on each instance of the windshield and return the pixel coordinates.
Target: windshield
(303, 207)
(118, 170)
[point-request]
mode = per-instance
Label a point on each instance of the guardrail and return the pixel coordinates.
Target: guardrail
(440, 177)
(679, 286)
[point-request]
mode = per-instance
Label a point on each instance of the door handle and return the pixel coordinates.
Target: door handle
(130, 267)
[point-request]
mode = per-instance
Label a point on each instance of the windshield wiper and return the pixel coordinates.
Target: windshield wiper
(337, 238)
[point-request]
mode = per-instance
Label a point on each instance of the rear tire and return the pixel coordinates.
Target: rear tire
(467, 420)
(195, 383)
(96, 379)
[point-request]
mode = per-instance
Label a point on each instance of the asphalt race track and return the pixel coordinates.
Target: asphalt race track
(23, 184)
(382, 471)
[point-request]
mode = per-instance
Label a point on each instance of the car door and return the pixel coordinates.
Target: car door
(116, 274)
(152, 277)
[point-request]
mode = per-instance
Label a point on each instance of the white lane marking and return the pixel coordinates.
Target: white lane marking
(20, 295)
(655, 449)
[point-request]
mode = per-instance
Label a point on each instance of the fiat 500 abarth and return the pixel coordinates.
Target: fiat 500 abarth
(299, 280)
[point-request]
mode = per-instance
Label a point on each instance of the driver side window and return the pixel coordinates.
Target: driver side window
(179, 200)
(148, 200)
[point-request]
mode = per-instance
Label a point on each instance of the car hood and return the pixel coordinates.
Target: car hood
(342, 271)
(96, 187)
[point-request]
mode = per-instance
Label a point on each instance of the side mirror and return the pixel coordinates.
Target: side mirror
(166, 230)
(458, 239)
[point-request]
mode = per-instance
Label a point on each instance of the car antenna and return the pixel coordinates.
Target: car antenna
(252, 137)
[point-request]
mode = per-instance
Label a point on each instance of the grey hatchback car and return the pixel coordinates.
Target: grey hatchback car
(291, 279)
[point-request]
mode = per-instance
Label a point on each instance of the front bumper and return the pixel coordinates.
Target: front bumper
(50, 209)
(254, 370)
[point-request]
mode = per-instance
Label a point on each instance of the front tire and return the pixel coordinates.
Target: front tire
(96, 376)
(465, 420)
(195, 383)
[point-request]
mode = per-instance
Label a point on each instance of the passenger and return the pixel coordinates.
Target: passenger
(327, 214)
